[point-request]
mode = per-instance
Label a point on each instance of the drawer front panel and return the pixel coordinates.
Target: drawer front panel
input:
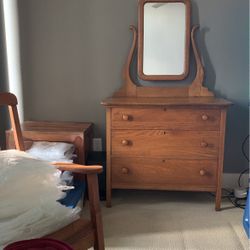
(165, 143)
(162, 118)
(153, 173)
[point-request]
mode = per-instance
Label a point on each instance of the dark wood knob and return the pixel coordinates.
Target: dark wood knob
(125, 170)
(125, 142)
(125, 117)
(204, 144)
(204, 117)
(202, 172)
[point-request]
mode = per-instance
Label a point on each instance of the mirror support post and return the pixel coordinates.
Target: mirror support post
(197, 88)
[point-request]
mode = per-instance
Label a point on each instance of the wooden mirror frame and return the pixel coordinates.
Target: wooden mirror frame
(141, 42)
(130, 88)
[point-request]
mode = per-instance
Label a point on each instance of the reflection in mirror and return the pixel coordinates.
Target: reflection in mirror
(164, 42)
(164, 39)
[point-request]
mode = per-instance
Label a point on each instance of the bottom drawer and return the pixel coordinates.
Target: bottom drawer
(148, 173)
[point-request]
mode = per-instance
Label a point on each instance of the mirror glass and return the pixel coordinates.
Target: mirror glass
(164, 45)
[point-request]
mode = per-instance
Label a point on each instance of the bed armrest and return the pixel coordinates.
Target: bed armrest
(76, 168)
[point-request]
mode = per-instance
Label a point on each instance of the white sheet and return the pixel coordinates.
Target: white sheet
(28, 193)
(52, 151)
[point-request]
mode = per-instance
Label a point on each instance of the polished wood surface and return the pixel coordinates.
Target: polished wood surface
(52, 126)
(163, 173)
(165, 144)
(220, 160)
(169, 137)
(133, 89)
(78, 133)
(10, 100)
(168, 143)
(166, 118)
(81, 234)
(108, 150)
(76, 168)
(209, 102)
(141, 42)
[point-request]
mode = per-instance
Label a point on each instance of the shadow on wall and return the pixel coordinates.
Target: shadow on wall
(4, 121)
(236, 132)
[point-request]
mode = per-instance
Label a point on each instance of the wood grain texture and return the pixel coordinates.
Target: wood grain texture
(220, 160)
(166, 118)
(9, 100)
(128, 88)
(197, 88)
(166, 143)
(108, 150)
(163, 173)
(193, 102)
(95, 211)
(15, 124)
(77, 133)
(53, 126)
(76, 168)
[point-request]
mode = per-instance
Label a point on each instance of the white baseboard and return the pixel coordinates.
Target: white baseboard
(231, 180)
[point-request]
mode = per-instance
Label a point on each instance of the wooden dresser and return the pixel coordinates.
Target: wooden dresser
(165, 144)
(164, 137)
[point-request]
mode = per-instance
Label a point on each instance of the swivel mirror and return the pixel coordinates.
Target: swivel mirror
(164, 39)
(160, 134)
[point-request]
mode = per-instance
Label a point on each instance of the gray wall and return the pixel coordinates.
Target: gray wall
(73, 53)
(4, 124)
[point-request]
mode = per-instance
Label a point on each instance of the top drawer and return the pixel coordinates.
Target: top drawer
(166, 118)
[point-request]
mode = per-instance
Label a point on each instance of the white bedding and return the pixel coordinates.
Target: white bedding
(52, 151)
(29, 189)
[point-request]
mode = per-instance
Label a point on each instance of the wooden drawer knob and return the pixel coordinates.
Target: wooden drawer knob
(202, 172)
(204, 117)
(125, 170)
(125, 142)
(204, 144)
(125, 117)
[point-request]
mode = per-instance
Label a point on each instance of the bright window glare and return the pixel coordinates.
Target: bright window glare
(10, 13)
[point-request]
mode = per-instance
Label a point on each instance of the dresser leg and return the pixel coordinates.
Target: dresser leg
(108, 198)
(218, 199)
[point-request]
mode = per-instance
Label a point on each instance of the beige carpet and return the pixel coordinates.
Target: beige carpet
(171, 220)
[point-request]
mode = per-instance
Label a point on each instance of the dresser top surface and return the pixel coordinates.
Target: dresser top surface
(173, 101)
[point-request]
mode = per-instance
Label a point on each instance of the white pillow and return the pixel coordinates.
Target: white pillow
(29, 190)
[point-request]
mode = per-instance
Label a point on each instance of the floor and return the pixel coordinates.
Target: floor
(172, 220)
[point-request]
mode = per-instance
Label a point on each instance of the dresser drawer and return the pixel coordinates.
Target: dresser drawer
(165, 143)
(161, 174)
(163, 118)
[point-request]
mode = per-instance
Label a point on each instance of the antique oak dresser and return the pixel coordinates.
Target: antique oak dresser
(165, 138)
